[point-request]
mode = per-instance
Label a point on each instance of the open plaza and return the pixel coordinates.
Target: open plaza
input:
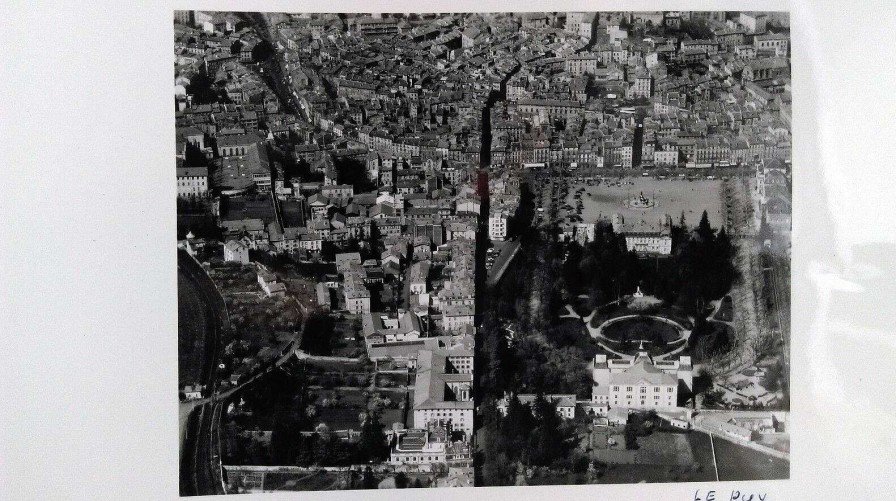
(674, 196)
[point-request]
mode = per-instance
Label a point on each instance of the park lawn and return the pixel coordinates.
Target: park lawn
(737, 462)
(775, 441)
(658, 448)
(650, 473)
(661, 457)
(701, 450)
(664, 448)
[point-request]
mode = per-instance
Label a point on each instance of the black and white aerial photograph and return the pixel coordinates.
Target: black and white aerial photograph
(422, 250)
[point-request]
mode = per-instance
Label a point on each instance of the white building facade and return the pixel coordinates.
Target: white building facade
(497, 225)
(639, 383)
(192, 182)
(442, 394)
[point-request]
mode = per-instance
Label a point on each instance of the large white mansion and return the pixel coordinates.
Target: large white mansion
(639, 383)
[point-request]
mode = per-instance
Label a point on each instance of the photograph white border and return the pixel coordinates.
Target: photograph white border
(90, 311)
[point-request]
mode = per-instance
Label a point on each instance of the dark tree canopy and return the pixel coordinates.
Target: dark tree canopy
(369, 481)
(201, 87)
(194, 157)
(372, 446)
(318, 336)
(697, 29)
(262, 51)
(533, 435)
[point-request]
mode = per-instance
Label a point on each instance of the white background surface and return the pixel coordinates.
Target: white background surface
(89, 307)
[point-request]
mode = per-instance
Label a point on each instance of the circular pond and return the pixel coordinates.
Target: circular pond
(634, 333)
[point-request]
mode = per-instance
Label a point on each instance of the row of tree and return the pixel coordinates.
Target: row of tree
(699, 270)
(543, 353)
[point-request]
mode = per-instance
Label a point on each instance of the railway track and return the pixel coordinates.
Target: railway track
(200, 471)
